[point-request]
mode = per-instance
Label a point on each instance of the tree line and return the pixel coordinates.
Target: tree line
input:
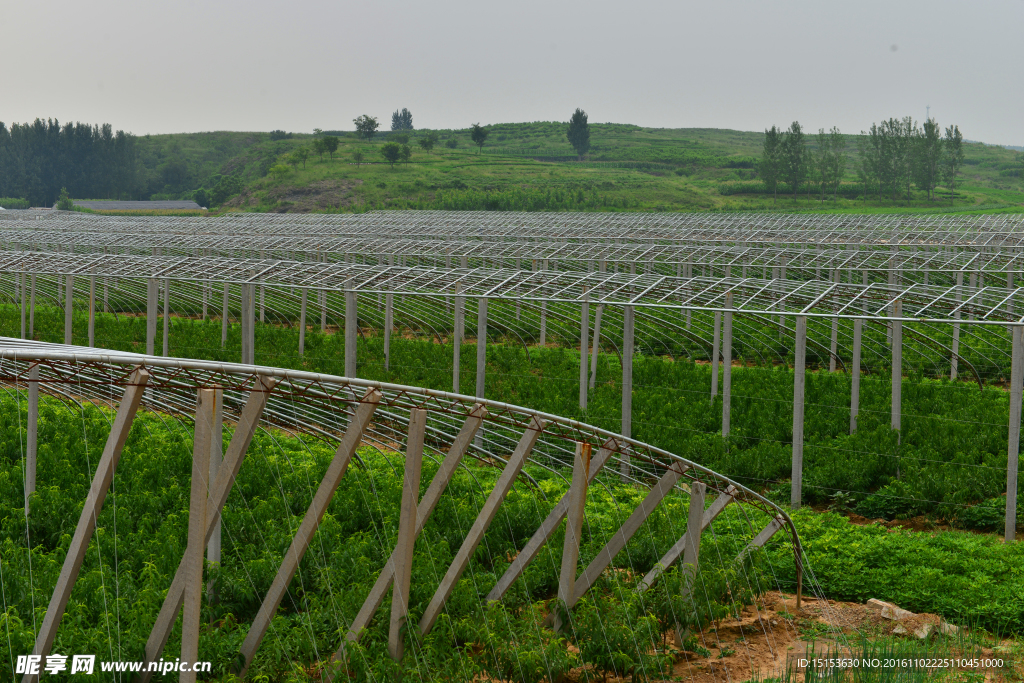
(38, 159)
(893, 155)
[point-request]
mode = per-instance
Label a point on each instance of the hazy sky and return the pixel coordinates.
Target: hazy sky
(165, 67)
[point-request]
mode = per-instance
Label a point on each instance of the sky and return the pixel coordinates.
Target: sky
(187, 66)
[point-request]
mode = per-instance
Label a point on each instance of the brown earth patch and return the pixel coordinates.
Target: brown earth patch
(318, 196)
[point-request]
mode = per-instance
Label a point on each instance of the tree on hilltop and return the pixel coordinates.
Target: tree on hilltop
(392, 152)
(331, 145)
(579, 133)
(401, 120)
(770, 166)
(478, 135)
(366, 126)
(794, 156)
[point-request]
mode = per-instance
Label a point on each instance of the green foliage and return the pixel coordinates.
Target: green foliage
(517, 646)
(300, 156)
(579, 133)
(401, 120)
(794, 156)
(406, 153)
(953, 158)
(279, 135)
(318, 148)
(330, 144)
(357, 156)
(227, 186)
(617, 636)
(392, 152)
(478, 134)
(452, 142)
(13, 203)
(279, 171)
(771, 164)
(64, 201)
(366, 126)
(428, 141)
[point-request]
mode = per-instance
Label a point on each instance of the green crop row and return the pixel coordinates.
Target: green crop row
(948, 461)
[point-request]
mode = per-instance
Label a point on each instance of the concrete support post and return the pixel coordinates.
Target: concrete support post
(897, 365)
(216, 457)
(715, 355)
(401, 559)
(481, 346)
(192, 608)
(799, 364)
(302, 320)
(32, 306)
(151, 314)
(858, 328)
(627, 382)
(954, 360)
(263, 317)
(389, 323)
(584, 339)
(92, 311)
(205, 289)
(167, 317)
(595, 345)
(24, 304)
(1013, 447)
(322, 294)
(351, 329)
(459, 336)
(726, 366)
(69, 299)
(573, 530)
(31, 434)
(224, 319)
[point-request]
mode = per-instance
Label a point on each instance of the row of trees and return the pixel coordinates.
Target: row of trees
(38, 159)
(893, 155)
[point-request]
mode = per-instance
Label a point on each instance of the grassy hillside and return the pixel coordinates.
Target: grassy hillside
(530, 166)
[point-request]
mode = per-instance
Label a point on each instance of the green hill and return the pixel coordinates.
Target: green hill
(530, 166)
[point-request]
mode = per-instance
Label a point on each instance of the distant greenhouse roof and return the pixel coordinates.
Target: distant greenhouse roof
(111, 205)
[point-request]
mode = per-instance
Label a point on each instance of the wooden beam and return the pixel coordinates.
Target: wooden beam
(87, 520)
(547, 527)
(482, 522)
(402, 556)
(248, 422)
(310, 523)
(680, 546)
(573, 529)
(426, 506)
(627, 530)
(206, 405)
(762, 538)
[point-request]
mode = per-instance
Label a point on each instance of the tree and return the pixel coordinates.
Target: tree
(822, 159)
(392, 152)
(331, 145)
(452, 142)
(318, 147)
(478, 135)
(579, 133)
(928, 156)
(837, 145)
(406, 153)
(770, 166)
(400, 138)
(794, 156)
(300, 155)
(401, 120)
(428, 141)
(953, 158)
(366, 126)
(65, 202)
(357, 156)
